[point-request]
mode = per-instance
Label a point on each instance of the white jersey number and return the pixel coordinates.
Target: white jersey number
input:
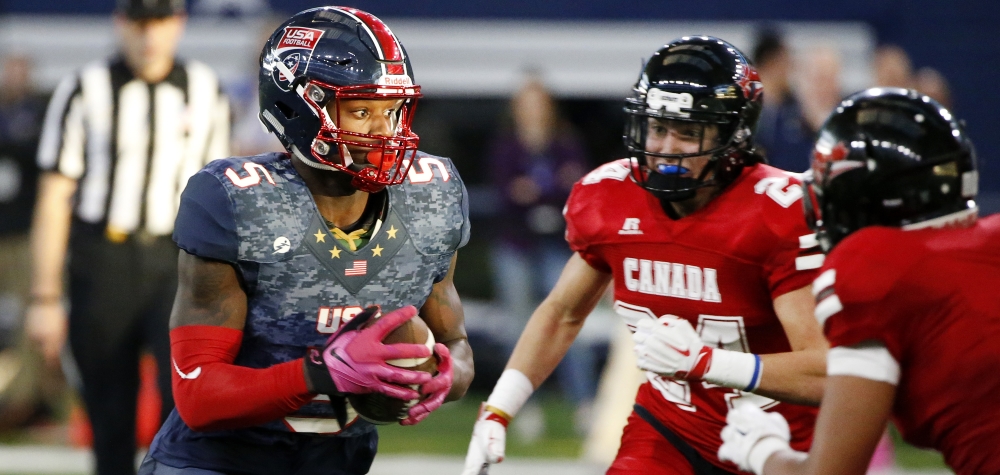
(728, 333)
(779, 190)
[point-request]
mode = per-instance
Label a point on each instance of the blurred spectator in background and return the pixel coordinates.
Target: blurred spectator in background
(534, 163)
(931, 82)
(819, 87)
(120, 139)
(249, 135)
(21, 112)
(893, 67)
(782, 135)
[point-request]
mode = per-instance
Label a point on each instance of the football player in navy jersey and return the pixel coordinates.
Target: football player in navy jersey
(286, 258)
(907, 296)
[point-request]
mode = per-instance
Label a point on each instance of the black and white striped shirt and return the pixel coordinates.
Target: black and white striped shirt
(132, 145)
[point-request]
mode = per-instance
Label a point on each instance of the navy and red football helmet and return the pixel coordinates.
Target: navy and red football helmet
(889, 157)
(702, 80)
(320, 57)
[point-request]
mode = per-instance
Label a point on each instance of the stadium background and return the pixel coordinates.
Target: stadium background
(469, 57)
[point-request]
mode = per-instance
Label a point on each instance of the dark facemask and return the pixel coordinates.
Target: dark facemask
(666, 183)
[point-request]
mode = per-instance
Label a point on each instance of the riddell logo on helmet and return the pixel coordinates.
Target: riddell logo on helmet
(298, 37)
(395, 80)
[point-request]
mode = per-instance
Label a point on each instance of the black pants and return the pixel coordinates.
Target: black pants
(120, 297)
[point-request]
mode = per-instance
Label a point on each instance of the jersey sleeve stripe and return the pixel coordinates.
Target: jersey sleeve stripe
(828, 308)
(814, 261)
(826, 279)
(808, 241)
(868, 362)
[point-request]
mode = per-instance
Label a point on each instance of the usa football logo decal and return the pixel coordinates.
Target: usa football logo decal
(297, 37)
(294, 48)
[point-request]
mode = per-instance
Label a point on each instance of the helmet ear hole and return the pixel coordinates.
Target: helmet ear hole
(286, 110)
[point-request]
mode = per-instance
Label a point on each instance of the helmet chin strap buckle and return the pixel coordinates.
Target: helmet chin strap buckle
(366, 179)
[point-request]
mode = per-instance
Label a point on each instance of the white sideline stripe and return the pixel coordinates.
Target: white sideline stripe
(827, 308)
(824, 280)
(44, 459)
(814, 261)
(54, 459)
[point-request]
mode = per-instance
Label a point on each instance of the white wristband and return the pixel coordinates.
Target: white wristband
(762, 450)
(511, 392)
(735, 369)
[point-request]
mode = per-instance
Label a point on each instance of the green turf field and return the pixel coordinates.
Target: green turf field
(447, 431)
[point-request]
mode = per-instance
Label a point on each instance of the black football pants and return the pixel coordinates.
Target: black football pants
(120, 297)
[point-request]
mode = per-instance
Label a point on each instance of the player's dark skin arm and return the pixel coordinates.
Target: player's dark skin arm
(208, 293)
(850, 423)
(444, 316)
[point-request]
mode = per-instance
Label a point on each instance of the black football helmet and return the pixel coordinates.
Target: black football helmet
(320, 57)
(889, 157)
(702, 80)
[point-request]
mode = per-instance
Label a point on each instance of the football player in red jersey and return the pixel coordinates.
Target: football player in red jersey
(907, 296)
(711, 263)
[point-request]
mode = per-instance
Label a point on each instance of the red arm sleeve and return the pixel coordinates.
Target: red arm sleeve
(211, 393)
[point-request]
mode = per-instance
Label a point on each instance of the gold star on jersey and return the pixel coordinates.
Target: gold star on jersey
(347, 255)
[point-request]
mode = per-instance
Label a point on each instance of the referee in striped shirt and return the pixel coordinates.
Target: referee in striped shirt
(120, 139)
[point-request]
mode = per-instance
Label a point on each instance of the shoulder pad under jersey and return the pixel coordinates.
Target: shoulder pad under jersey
(433, 204)
(270, 201)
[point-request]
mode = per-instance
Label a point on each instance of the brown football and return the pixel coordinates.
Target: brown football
(378, 408)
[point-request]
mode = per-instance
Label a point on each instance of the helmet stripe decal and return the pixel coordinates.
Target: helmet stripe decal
(386, 43)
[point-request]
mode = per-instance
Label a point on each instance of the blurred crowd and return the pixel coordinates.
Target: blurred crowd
(801, 90)
(534, 158)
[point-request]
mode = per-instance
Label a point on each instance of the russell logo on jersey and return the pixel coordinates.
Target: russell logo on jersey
(631, 226)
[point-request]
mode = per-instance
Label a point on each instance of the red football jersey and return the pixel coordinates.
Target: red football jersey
(720, 268)
(931, 297)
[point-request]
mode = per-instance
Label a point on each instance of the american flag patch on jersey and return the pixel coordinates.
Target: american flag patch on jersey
(359, 268)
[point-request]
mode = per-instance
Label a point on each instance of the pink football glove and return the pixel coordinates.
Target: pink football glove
(353, 360)
(436, 390)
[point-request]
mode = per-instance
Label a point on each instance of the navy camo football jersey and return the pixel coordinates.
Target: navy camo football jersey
(302, 284)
